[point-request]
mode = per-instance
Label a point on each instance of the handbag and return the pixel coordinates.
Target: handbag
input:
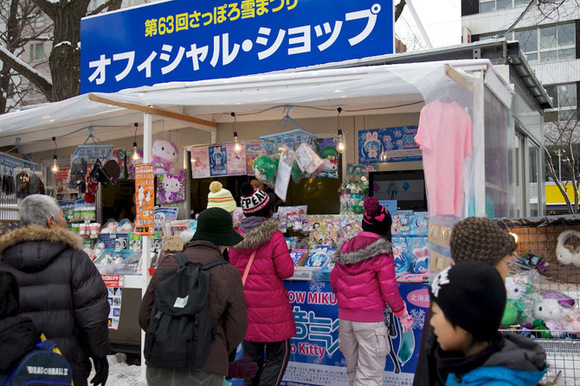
(247, 271)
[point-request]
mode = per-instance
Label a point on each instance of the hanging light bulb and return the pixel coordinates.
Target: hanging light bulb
(237, 144)
(340, 146)
(512, 234)
(54, 168)
(135, 155)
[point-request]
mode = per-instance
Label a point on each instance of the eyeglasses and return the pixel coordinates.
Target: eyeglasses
(512, 261)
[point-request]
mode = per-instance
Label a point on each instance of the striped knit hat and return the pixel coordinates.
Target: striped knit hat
(219, 197)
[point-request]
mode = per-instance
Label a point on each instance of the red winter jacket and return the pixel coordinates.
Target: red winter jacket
(363, 279)
(270, 317)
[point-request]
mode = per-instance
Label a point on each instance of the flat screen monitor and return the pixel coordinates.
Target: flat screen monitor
(405, 186)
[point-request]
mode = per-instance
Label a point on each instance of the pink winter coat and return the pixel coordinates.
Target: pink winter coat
(270, 317)
(363, 279)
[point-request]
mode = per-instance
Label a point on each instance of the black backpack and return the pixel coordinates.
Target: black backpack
(181, 329)
(43, 365)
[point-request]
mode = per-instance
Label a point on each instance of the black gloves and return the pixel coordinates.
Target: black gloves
(242, 368)
(101, 371)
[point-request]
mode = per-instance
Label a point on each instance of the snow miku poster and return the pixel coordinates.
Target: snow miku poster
(218, 161)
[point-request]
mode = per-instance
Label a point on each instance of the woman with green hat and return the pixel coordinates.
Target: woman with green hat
(227, 306)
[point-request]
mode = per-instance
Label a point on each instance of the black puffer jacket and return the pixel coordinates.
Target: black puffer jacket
(61, 290)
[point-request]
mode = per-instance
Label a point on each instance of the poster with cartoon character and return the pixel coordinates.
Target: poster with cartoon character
(199, 162)
(253, 150)
(315, 356)
(170, 188)
(236, 161)
(218, 161)
(394, 144)
(144, 190)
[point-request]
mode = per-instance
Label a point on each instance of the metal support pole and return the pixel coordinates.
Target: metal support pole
(145, 240)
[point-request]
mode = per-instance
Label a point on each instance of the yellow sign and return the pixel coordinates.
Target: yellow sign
(554, 196)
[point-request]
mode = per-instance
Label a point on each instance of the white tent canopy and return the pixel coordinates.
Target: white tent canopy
(379, 89)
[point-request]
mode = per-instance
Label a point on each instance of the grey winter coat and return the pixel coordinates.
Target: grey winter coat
(61, 290)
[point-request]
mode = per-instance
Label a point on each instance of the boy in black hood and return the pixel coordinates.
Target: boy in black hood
(17, 334)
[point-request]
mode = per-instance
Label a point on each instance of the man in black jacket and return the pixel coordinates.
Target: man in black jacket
(61, 290)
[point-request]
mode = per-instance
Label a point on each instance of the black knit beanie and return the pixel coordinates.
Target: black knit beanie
(254, 202)
(480, 239)
(472, 296)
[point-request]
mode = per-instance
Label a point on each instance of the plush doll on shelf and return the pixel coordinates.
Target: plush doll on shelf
(552, 308)
(163, 155)
(517, 287)
(568, 248)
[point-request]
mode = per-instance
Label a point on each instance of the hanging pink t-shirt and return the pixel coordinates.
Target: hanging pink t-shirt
(445, 136)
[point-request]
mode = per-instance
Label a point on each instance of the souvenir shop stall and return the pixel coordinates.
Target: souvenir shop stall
(379, 138)
(386, 117)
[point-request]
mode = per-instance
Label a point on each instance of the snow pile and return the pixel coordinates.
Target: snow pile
(121, 374)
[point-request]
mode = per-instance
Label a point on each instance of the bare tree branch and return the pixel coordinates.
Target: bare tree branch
(47, 7)
(28, 73)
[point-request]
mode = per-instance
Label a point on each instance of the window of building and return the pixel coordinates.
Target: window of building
(545, 44)
(565, 101)
(497, 5)
(36, 51)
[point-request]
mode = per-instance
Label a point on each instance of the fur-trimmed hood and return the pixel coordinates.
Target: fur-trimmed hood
(361, 248)
(32, 248)
(259, 235)
(39, 233)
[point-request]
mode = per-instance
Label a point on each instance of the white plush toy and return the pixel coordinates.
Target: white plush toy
(568, 248)
(164, 154)
(552, 308)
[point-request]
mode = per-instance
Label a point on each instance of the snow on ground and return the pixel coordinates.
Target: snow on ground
(121, 374)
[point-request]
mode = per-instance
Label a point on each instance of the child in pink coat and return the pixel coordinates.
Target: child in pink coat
(363, 280)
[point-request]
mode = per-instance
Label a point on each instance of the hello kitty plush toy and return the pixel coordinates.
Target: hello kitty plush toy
(163, 155)
(517, 287)
(552, 308)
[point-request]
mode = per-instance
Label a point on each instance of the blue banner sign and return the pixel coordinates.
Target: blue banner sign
(393, 144)
(316, 358)
(193, 40)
